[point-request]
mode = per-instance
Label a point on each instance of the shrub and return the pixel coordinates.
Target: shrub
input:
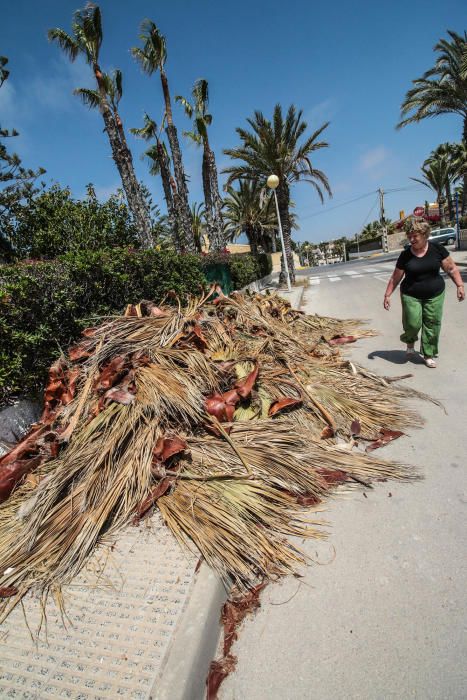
(45, 305)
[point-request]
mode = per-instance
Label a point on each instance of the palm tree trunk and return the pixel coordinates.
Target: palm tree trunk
(283, 198)
(218, 223)
(164, 170)
(208, 200)
(442, 214)
(252, 239)
(124, 162)
(450, 202)
(184, 213)
(464, 177)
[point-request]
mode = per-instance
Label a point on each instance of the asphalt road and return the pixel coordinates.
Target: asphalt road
(382, 612)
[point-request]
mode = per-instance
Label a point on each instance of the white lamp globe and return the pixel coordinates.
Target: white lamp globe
(272, 182)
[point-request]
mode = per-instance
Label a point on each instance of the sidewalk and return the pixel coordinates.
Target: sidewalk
(141, 624)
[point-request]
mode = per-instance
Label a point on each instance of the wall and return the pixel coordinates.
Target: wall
(276, 261)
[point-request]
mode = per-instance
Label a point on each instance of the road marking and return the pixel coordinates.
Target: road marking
(371, 269)
(382, 278)
(334, 279)
(315, 281)
(350, 272)
(357, 276)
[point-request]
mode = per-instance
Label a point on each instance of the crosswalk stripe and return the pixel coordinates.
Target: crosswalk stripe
(334, 279)
(315, 281)
(371, 269)
(358, 276)
(350, 272)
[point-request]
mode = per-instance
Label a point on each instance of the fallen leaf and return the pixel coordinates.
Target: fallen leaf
(281, 404)
(342, 339)
(327, 432)
(244, 386)
(8, 591)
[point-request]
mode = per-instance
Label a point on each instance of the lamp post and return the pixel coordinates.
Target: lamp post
(458, 233)
(272, 182)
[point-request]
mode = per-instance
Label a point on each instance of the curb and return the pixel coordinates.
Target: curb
(194, 643)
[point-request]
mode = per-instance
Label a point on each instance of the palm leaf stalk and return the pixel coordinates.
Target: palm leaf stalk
(86, 40)
(235, 417)
(275, 147)
(152, 57)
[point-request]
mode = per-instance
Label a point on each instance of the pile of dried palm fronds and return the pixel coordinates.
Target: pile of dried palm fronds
(233, 416)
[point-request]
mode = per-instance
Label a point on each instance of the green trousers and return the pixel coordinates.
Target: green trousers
(424, 314)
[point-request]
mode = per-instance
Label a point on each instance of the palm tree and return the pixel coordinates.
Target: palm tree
(198, 111)
(244, 212)
(273, 147)
(448, 153)
(159, 164)
(442, 89)
(87, 41)
(198, 224)
(435, 175)
(152, 57)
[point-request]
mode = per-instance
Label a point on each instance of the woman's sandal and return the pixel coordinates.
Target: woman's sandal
(430, 362)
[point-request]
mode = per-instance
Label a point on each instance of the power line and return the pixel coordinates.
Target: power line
(356, 199)
(337, 206)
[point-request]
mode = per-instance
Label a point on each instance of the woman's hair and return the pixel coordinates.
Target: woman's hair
(420, 227)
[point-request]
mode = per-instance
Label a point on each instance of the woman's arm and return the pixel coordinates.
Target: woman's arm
(450, 267)
(393, 283)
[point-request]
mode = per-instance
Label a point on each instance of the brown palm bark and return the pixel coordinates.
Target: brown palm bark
(463, 207)
(168, 185)
(186, 238)
(124, 162)
(442, 211)
(216, 200)
(283, 199)
(205, 172)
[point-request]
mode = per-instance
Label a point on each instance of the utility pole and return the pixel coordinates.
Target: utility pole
(383, 221)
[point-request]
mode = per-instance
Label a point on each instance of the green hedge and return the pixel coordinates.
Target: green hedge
(45, 305)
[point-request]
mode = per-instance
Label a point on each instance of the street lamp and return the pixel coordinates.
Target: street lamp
(458, 232)
(272, 182)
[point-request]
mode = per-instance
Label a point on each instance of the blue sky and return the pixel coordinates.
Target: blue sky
(347, 62)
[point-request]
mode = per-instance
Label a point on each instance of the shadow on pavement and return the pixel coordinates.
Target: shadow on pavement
(397, 357)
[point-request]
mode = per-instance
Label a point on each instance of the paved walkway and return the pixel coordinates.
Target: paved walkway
(118, 631)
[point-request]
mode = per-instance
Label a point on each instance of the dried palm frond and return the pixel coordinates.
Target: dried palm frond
(234, 417)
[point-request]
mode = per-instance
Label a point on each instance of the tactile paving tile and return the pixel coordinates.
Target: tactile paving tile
(119, 626)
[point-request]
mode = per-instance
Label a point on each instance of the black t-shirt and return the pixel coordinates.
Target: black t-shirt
(422, 279)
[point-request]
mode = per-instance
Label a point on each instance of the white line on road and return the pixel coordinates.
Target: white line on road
(334, 279)
(357, 276)
(350, 272)
(382, 278)
(314, 281)
(371, 269)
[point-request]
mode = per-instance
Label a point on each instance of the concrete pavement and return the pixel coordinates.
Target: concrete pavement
(382, 611)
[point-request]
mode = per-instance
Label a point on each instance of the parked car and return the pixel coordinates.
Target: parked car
(446, 236)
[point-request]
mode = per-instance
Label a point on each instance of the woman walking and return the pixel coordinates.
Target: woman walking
(423, 290)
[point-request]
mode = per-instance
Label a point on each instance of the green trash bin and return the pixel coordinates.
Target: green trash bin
(219, 273)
